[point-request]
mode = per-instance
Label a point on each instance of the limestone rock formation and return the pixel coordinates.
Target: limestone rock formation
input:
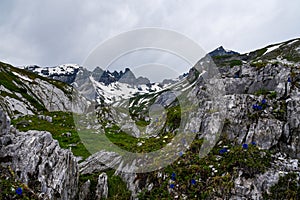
(85, 190)
(102, 187)
(39, 162)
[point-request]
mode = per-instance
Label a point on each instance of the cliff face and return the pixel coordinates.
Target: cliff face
(24, 93)
(39, 162)
(261, 107)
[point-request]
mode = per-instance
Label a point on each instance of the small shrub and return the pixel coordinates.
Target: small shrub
(288, 187)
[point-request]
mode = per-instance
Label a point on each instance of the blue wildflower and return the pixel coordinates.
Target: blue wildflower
(289, 79)
(259, 107)
(173, 174)
(172, 185)
(19, 191)
(263, 101)
(253, 143)
(255, 106)
(222, 151)
(180, 153)
(193, 182)
(245, 146)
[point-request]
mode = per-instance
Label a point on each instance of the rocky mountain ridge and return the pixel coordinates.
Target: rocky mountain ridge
(26, 93)
(102, 85)
(68, 72)
(255, 154)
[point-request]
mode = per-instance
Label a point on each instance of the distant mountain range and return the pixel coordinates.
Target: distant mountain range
(68, 73)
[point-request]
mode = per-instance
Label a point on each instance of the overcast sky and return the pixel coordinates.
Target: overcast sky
(53, 32)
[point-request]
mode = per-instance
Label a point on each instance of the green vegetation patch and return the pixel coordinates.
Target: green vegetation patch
(288, 187)
(62, 123)
(117, 188)
(258, 65)
(208, 177)
(10, 188)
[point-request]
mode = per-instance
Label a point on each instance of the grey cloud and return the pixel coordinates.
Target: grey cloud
(54, 32)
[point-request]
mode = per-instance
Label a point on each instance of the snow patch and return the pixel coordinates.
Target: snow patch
(64, 69)
(4, 89)
(117, 91)
(22, 77)
(272, 48)
(292, 42)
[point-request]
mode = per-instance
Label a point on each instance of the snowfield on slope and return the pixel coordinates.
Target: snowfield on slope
(64, 69)
(272, 48)
(117, 91)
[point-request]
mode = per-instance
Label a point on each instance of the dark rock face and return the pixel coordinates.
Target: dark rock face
(85, 190)
(290, 142)
(142, 81)
(108, 78)
(222, 52)
(39, 162)
(97, 73)
(4, 124)
(128, 77)
(69, 79)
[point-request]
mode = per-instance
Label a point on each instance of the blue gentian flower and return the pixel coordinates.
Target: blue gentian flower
(172, 185)
(193, 181)
(19, 191)
(245, 146)
(254, 106)
(222, 151)
(263, 101)
(180, 153)
(253, 143)
(289, 79)
(173, 176)
(259, 107)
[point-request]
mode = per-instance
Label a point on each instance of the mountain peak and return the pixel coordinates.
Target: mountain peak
(221, 51)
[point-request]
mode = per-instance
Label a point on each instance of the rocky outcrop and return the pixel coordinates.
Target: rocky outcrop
(220, 51)
(4, 124)
(100, 161)
(27, 94)
(290, 142)
(39, 162)
(85, 191)
(102, 187)
(57, 99)
(273, 125)
(253, 188)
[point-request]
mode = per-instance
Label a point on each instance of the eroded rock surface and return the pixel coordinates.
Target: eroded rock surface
(39, 162)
